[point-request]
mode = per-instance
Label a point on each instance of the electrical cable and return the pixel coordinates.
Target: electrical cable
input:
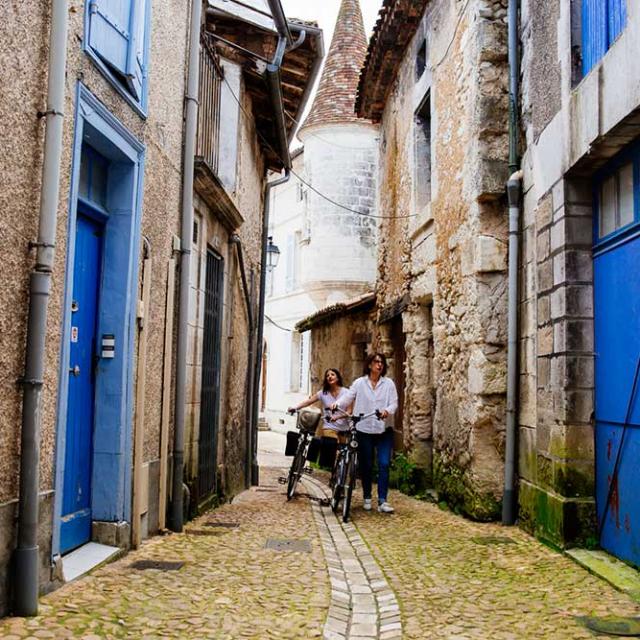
(309, 185)
(275, 324)
(455, 33)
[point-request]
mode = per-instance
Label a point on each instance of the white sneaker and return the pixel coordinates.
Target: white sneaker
(385, 507)
(367, 504)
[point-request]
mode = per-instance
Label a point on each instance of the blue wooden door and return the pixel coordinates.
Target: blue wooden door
(617, 345)
(76, 500)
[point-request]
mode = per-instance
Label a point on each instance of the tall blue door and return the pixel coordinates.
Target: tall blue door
(617, 345)
(76, 500)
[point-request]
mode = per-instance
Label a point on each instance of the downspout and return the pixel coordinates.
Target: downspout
(26, 569)
(514, 193)
(274, 84)
(235, 239)
(277, 13)
(260, 330)
(140, 395)
(191, 128)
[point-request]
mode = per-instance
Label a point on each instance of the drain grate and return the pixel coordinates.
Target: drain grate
(143, 565)
(492, 540)
(612, 625)
(302, 546)
(222, 525)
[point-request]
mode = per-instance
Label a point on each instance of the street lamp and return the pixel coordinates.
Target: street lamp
(273, 254)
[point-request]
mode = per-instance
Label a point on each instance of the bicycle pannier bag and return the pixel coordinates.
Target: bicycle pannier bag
(308, 420)
(292, 443)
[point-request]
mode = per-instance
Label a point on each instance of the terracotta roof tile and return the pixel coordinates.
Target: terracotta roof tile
(335, 99)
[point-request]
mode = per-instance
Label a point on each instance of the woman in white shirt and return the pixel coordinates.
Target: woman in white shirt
(333, 390)
(374, 392)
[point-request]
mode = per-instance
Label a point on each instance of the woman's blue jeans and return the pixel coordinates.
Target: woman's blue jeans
(383, 444)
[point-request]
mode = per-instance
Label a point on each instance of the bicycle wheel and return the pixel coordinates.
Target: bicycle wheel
(297, 465)
(348, 488)
(338, 481)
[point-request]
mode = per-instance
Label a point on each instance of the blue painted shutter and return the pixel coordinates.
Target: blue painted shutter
(617, 18)
(135, 60)
(110, 31)
(116, 34)
(594, 33)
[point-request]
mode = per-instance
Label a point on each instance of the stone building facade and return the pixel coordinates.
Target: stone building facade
(436, 78)
(108, 395)
(579, 324)
(323, 219)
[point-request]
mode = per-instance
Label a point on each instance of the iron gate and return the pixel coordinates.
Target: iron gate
(210, 393)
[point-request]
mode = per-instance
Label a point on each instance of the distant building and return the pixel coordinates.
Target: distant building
(328, 250)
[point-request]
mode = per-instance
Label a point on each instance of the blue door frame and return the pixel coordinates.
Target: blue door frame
(111, 446)
(617, 357)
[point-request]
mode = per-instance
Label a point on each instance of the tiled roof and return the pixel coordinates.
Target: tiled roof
(336, 94)
(338, 309)
(397, 23)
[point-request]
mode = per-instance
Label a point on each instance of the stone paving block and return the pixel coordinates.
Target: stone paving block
(363, 630)
(365, 618)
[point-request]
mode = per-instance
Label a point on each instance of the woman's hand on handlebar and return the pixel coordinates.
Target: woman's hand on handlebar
(291, 410)
(382, 415)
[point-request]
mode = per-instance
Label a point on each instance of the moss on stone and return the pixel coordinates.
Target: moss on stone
(559, 521)
(454, 486)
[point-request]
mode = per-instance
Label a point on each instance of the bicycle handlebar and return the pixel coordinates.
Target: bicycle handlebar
(358, 417)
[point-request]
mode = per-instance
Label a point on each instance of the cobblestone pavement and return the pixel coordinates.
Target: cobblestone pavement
(422, 570)
(230, 586)
(455, 580)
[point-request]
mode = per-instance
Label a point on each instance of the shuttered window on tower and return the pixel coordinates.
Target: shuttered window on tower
(602, 22)
(117, 38)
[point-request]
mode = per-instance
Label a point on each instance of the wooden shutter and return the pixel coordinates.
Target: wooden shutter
(117, 35)
(110, 31)
(135, 58)
(594, 32)
(617, 16)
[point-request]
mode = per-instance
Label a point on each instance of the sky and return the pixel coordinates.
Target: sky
(325, 13)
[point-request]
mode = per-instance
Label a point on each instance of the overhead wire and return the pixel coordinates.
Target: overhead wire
(301, 179)
(275, 324)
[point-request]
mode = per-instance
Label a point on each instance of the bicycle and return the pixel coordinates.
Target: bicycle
(307, 430)
(345, 468)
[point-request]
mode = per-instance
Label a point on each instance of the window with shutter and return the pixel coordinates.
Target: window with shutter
(602, 22)
(117, 40)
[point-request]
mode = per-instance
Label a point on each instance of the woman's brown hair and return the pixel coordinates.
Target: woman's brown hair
(369, 361)
(325, 385)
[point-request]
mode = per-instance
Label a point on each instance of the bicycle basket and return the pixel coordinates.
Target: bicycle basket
(308, 420)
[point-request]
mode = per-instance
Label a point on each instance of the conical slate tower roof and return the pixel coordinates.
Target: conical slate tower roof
(335, 99)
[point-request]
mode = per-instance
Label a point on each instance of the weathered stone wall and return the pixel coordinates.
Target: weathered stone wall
(24, 37)
(342, 344)
(450, 256)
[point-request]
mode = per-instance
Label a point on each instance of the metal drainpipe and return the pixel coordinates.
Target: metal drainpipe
(260, 331)
(235, 239)
(191, 129)
(26, 569)
(514, 193)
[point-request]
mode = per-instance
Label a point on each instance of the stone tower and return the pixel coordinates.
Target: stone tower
(340, 161)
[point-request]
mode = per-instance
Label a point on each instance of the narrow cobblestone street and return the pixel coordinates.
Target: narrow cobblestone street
(421, 573)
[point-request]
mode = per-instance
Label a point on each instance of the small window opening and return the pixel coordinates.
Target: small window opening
(421, 59)
(422, 169)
